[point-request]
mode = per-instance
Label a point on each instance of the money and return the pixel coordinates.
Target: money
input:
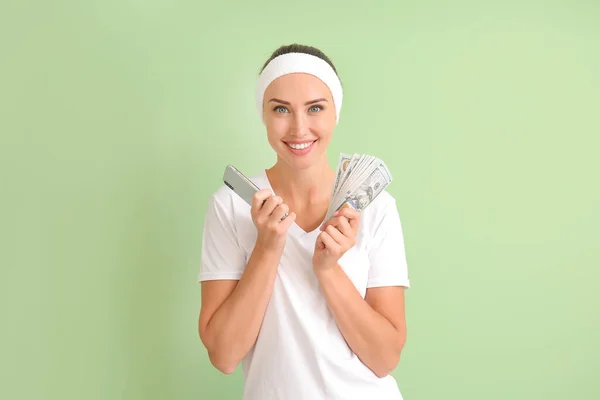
(360, 178)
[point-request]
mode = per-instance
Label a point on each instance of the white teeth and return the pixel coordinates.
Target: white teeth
(300, 146)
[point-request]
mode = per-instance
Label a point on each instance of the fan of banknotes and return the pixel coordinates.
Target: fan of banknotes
(359, 180)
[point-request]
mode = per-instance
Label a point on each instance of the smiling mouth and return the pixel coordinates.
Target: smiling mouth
(300, 149)
(300, 146)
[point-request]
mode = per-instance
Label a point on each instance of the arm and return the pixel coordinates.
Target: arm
(232, 311)
(373, 327)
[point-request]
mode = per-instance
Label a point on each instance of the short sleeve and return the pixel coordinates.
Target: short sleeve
(387, 255)
(222, 257)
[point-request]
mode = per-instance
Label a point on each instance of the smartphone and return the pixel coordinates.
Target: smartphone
(239, 183)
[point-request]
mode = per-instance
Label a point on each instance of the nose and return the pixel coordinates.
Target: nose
(299, 126)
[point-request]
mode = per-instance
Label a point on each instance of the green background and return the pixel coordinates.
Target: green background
(118, 117)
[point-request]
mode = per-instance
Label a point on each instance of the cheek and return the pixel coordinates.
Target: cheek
(276, 128)
(274, 137)
(325, 124)
(324, 130)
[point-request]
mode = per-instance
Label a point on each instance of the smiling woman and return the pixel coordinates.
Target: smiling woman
(313, 309)
(299, 147)
(304, 102)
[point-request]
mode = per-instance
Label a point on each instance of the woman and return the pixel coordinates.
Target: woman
(314, 309)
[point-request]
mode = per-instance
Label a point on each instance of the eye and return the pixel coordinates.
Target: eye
(315, 108)
(280, 109)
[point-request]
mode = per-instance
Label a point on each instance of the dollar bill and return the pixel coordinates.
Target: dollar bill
(343, 162)
(344, 168)
(369, 189)
(360, 178)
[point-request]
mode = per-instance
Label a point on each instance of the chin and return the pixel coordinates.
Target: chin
(303, 162)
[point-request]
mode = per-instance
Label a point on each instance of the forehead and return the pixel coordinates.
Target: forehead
(297, 86)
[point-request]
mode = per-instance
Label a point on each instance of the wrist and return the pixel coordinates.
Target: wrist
(264, 251)
(327, 272)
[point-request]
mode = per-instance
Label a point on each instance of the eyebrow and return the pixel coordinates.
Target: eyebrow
(306, 104)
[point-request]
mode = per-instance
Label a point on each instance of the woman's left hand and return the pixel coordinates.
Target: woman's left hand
(338, 236)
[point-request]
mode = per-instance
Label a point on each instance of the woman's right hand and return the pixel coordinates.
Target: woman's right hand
(267, 218)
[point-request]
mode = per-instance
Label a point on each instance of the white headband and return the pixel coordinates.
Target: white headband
(299, 63)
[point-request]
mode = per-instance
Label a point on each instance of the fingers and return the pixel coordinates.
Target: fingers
(338, 236)
(328, 241)
(279, 213)
(347, 220)
(344, 227)
(352, 216)
(320, 244)
(270, 205)
(289, 220)
(348, 212)
(259, 198)
(333, 221)
(270, 209)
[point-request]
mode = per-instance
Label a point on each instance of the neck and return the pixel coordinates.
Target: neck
(302, 187)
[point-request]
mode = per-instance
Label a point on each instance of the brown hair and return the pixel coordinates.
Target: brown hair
(299, 48)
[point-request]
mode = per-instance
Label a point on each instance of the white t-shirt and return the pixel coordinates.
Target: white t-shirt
(300, 352)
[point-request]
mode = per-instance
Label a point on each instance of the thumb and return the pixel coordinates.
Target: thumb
(320, 245)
